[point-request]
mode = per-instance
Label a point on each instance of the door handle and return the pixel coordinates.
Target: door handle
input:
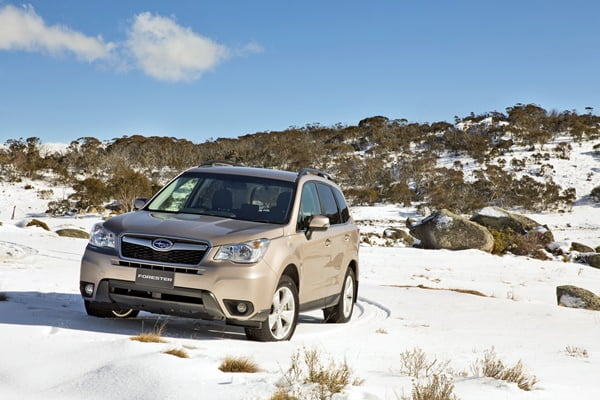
(328, 242)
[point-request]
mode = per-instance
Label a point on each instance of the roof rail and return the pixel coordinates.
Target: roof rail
(313, 171)
(219, 163)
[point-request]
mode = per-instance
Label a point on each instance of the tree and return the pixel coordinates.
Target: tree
(126, 185)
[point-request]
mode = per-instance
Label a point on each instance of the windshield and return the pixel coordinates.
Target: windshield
(233, 196)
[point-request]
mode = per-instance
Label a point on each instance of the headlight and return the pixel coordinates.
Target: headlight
(101, 237)
(249, 252)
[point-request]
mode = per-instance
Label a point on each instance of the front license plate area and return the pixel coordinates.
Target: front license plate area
(157, 279)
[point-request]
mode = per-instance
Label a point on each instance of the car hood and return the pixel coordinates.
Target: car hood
(216, 230)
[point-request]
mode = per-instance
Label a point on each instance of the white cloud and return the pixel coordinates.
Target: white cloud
(23, 29)
(170, 52)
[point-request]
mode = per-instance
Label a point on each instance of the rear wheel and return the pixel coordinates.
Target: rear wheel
(342, 311)
(281, 322)
(108, 310)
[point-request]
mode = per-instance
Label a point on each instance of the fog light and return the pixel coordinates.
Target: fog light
(89, 289)
(242, 308)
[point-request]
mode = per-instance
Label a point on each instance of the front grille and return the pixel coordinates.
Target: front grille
(179, 270)
(139, 248)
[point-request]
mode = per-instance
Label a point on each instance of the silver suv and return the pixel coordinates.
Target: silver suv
(250, 246)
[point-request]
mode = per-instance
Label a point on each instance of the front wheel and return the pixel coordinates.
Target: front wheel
(282, 320)
(342, 311)
(108, 310)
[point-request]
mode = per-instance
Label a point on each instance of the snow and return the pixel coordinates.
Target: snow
(51, 349)
(491, 212)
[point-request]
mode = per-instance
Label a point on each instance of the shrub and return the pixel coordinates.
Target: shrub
(416, 364)
(308, 377)
(239, 364)
(38, 223)
(61, 207)
(437, 387)
(126, 185)
(177, 353)
(490, 366)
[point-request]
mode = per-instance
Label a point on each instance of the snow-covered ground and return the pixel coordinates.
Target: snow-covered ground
(50, 349)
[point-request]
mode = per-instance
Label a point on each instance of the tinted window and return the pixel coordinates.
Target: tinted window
(309, 205)
(345, 213)
(328, 204)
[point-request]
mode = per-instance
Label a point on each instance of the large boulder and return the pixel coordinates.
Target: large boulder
(501, 220)
(446, 230)
(576, 297)
(581, 248)
(514, 233)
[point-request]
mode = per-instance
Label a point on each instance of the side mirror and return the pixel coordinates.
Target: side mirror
(139, 203)
(318, 223)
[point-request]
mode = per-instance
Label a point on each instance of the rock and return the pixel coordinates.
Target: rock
(541, 254)
(513, 232)
(591, 259)
(73, 233)
(582, 248)
(399, 234)
(575, 297)
(37, 222)
(501, 220)
(445, 230)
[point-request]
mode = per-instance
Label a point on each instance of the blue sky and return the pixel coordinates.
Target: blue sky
(202, 69)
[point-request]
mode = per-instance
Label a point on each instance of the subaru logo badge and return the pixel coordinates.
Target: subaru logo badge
(162, 244)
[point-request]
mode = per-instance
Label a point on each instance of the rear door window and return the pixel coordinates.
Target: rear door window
(328, 204)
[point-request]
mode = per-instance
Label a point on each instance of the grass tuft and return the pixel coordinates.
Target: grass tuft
(436, 387)
(177, 353)
(416, 364)
(239, 364)
(155, 336)
(310, 378)
(490, 366)
(577, 352)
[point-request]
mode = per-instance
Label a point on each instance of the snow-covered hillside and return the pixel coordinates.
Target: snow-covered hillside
(51, 349)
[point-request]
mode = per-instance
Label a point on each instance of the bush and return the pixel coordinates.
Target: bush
(490, 366)
(126, 185)
(239, 364)
(416, 364)
(61, 207)
(437, 387)
(309, 378)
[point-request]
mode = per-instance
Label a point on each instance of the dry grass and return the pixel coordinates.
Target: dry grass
(490, 366)
(416, 364)
(463, 291)
(154, 336)
(436, 387)
(577, 352)
(177, 353)
(239, 364)
(382, 331)
(310, 378)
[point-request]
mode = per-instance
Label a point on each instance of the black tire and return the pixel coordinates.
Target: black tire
(108, 310)
(281, 322)
(342, 311)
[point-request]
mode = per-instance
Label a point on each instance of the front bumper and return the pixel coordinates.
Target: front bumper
(205, 292)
